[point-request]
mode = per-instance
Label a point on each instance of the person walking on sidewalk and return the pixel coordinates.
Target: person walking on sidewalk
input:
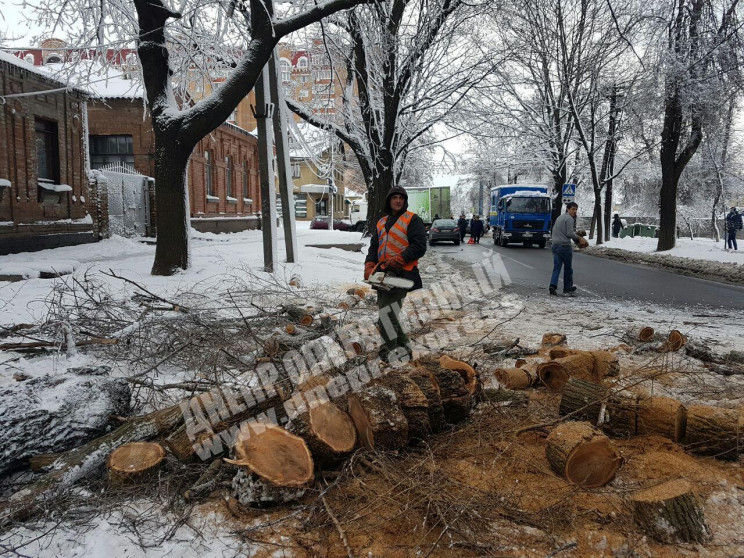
(462, 224)
(733, 224)
(396, 246)
(476, 229)
(617, 226)
(563, 233)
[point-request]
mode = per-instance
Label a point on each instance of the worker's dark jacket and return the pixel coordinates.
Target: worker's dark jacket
(416, 248)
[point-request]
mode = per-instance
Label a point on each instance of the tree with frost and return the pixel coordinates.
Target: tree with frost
(406, 65)
(175, 41)
(701, 45)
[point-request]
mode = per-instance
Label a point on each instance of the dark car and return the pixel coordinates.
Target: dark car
(322, 223)
(319, 223)
(444, 229)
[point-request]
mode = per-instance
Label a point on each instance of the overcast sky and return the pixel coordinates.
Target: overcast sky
(13, 26)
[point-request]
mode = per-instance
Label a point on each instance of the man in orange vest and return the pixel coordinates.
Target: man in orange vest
(397, 245)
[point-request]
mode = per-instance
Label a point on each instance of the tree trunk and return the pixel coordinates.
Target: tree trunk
(555, 373)
(377, 191)
(172, 205)
(379, 421)
(328, 432)
(670, 513)
(52, 414)
(412, 401)
(135, 462)
(428, 386)
(663, 416)
(714, 431)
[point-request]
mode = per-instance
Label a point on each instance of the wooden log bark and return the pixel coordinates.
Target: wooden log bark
(606, 364)
(714, 431)
(135, 462)
(299, 315)
(663, 416)
(582, 400)
(456, 401)
(429, 387)
(85, 461)
(517, 378)
(274, 454)
(253, 491)
(639, 334)
(328, 432)
(582, 455)
(670, 513)
(379, 421)
(412, 401)
(468, 373)
(505, 397)
(675, 341)
(562, 352)
(52, 414)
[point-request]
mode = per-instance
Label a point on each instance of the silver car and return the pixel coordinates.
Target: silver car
(444, 229)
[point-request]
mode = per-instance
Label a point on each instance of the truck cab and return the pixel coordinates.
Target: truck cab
(358, 215)
(520, 213)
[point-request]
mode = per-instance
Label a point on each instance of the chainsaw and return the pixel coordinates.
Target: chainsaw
(384, 278)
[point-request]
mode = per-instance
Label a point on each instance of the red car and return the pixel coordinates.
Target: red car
(321, 223)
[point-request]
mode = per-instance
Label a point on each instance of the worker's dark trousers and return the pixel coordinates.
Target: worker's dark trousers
(392, 333)
(731, 240)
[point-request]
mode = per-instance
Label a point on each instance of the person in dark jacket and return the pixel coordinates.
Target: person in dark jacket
(476, 228)
(617, 226)
(397, 243)
(462, 224)
(733, 224)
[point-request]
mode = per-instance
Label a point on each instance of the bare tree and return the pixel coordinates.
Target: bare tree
(174, 40)
(406, 67)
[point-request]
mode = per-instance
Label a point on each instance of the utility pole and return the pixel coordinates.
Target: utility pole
(331, 195)
(284, 168)
(480, 198)
(262, 112)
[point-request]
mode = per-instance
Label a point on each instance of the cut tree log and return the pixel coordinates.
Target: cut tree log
(85, 461)
(670, 513)
(412, 401)
(675, 341)
(582, 400)
(553, 339)
(379, 421)
(274, 454)
(640, 334)
(55, 413)
(562, 352)
(663, 416)
(582, 455)
(428, 386)
(555, 373)
(299, 315)
(606, 364)
(618, 416)
(135, 462)
(468, 373)
(456, 400)
(505, 397)
(328, 432)
(517, 378)
(714, 431)
(250, 490)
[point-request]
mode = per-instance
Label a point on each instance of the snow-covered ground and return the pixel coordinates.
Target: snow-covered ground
(698, 249)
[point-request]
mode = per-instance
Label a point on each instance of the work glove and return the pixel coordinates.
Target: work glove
(396, 263)
(369, 267)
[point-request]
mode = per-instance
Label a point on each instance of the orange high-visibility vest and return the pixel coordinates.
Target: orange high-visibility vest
(395, 241)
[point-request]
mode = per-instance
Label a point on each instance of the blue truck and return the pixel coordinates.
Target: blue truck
(520, 213)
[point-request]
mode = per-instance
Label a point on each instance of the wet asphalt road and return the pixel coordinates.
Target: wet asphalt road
(529, 270)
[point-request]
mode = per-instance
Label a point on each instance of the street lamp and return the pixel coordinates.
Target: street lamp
(331, 194)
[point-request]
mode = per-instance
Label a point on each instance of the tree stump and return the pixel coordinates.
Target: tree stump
(555, 373)
(274, 454)
(714, 431)
(54, 413)
(644, 334)
(428, 386)
(670, 513)
(252, 491)
(553, 339)
(328, 431)
(379, 420)
(662, 415)
(135, 462)
(582, 455)
(412, 401)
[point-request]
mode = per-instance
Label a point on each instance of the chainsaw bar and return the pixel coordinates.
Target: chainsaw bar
(386, 282)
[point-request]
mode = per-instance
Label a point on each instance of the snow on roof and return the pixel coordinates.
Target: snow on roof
(42, 71)
(99, 79)
(527, 194)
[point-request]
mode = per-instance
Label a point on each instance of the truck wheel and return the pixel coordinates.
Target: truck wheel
(457, 242)
(495, 238)
(359, 227)
(432, 243)
(502, 241)
(526, 244)
(541, 244)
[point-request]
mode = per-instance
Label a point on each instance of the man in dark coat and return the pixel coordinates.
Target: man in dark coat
(397, 243)
(617, 225)
(733, 224)
(462, 224)
(476, 229)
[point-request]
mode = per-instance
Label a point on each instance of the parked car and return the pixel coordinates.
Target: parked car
(321, 223)
(444, 229)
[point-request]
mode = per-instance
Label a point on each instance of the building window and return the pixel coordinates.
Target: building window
(321, 206)
(111, 150)
(286, 70)
(302, 62)
(208, 168)
(47, 153)
(246, 194)
(317, 58)
(287, 90)
(296, 171)
(229, 176)
(304, 94)
(324, 74)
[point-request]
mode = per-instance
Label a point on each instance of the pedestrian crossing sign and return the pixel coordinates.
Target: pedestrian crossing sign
(569, 192)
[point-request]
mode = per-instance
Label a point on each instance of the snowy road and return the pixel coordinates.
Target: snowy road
(529, 270)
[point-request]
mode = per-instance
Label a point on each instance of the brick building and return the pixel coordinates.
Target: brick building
(46, 199)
